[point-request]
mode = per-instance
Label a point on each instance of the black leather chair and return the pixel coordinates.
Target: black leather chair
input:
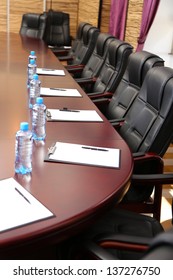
(151, 243)
(69, 51)
(33, 25)
(57, 32)
(84, 47)
(112, 69)
(114, 105)
(147, 129)
(96, 60)
(122, 234)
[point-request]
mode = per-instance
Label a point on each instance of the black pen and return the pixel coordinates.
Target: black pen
(95, 149)
(60, 89)
(68, 110)
(22, 195)
(46, 69)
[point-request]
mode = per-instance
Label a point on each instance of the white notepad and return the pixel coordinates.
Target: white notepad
(84, 154)
(18, 207)
(73, 115)
(59, 92)
(47, 71)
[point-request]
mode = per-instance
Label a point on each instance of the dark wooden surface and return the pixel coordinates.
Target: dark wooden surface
(76, 194)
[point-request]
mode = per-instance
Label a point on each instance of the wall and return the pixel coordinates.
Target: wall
(12, 10)
(160, 37)
(133, 23)
(80, 10)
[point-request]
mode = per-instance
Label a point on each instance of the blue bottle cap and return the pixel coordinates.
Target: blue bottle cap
(24, 126)
(35, 77)
(39, 100)
(32, 61)
(32, 52)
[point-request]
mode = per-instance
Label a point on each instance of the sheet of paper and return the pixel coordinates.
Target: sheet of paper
(60, 92)
(47, 71)
(84, 154)
(18, 207)
(73, 115)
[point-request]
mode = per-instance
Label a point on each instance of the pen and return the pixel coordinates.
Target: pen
(61, 89)
(69, 110)
(45, 69)
(95, 149)
(22, 195)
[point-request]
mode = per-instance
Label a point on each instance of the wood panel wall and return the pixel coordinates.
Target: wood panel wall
(134, 15)
(133, 23)
(19, 7)
(3, 15)
(79, 10)
(88, 11)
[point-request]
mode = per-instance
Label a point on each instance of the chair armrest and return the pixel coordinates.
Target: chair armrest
(86, 81)
(96, 252)
(65, 58)
(95, 95)
(74, 68)
(60, 51)
(157, 179)
(96, 249)
(144, 162)
(142, 156)
(101, 101)
(112, 121)
(123, 241)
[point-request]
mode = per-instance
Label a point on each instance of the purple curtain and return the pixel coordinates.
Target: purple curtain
(149, 11)
(118, 15)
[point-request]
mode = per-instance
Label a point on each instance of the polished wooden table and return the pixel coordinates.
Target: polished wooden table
(76, 194)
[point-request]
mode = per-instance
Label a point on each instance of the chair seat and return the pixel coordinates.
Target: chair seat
(118, 226)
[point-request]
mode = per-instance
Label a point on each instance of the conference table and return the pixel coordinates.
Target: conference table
(76, 193)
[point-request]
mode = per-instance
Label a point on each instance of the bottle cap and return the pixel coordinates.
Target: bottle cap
(32, 61)
(39, 100)
(24, 126)
(35, 77)
(32, 52)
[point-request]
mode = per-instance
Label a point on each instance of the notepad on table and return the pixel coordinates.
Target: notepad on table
(47, 71)
(84, 154)
(59, 92)
(18, 207)
(73, 115)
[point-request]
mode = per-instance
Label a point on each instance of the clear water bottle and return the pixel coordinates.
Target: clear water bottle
(32, 69)
(39, 120)
(34, 90)
(23, 149)
(32, 56)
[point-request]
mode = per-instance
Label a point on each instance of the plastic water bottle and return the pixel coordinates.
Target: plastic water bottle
(34, 90)
(32, 56)
(23, 149)
(32, 69)
(39, 120)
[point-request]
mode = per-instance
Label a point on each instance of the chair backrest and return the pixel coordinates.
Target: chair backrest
(86, 45)
(138, 65)
(57, 31)
(76, 41)
(114, 66)
(148, 123)
(97, 58)
(33, 25)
